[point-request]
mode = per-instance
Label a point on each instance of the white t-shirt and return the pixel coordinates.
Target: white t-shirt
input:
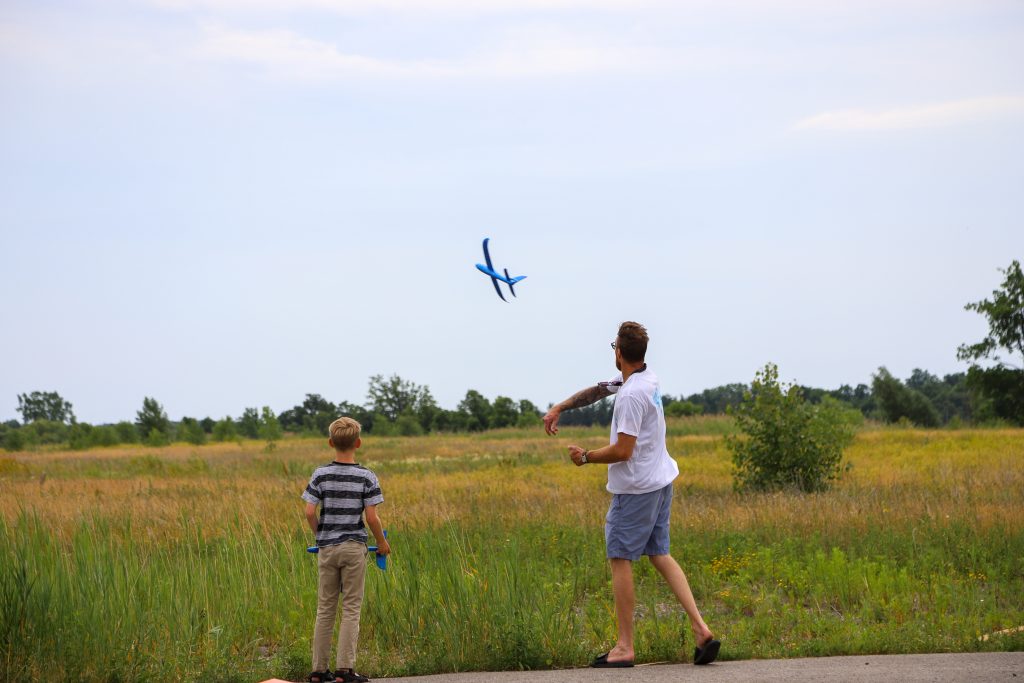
(638, 412)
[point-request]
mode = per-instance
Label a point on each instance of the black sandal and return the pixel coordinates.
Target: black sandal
(350, 676)
(706, 653)
(320, 677)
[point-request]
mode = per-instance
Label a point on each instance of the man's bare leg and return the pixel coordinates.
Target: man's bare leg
(625, 602)
(673, 573)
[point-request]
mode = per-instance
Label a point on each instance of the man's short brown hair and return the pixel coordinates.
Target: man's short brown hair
(632, 342)
(344, 433)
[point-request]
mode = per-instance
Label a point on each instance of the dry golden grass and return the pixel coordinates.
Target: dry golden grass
(917, 548)
(897, 477)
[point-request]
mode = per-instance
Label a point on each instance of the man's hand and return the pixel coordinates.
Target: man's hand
(576, 455)
(551, 421)
(383, 547)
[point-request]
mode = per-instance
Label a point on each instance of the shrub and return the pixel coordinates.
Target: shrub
(45, 432)
(787, 442)
(14, 440)
(79, 436)
(683, 409)
(270, 429)
(249, 424)
(156, 438)
(408, 425)
(225, 430)
(192, 431)
(126, 432)
(899, 401)
(528, 420)
(152, 418)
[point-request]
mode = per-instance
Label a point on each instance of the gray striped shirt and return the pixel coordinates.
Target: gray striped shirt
(342, 490)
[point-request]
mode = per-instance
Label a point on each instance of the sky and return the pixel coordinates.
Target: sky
(232, 203)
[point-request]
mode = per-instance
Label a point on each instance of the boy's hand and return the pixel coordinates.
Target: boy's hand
(384, 548)
(576, 455)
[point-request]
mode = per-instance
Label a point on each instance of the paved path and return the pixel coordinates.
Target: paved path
(941, 668)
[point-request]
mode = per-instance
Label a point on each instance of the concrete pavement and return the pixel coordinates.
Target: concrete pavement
(932, 668)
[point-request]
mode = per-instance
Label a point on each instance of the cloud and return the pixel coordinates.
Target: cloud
(287, 55)
(955, 112)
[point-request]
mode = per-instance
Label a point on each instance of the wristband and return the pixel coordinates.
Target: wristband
(583, 458)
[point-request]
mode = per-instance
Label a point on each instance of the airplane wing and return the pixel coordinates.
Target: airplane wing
(490, 267)
(494, 281)
(487, 255)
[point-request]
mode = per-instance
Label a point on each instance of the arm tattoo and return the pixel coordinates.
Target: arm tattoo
(585, 397)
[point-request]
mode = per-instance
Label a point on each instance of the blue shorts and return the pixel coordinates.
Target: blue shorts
(637, 524)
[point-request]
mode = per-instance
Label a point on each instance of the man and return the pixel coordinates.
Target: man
(640, 475)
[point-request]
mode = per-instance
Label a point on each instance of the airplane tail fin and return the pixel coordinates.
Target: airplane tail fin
(512, 281)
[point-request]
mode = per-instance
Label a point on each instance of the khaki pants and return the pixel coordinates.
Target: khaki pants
(342, 570)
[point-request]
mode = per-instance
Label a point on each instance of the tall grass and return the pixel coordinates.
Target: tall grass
(188, 563)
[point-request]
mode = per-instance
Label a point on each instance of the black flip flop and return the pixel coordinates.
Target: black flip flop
(708, 653)
(601, 662)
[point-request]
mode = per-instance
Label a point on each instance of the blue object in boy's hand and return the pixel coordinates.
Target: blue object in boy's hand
(382, 560)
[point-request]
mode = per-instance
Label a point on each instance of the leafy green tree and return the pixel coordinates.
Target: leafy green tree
(207, 424)
(44, 433)
(104, 435)
(270, 429)
(126, 432)
(395, 396)
(529, 414)
(14, 440)
(787, 442)
(224, 430)
(504, 412)
(717, 400)
(897, 401)
(408, 425)
(82, 435)
(682, 409)
(249, 423)
(192, 431)
(427, 411)
(357, 412)
(44, 405)
(78, 436)
(950, 394)
(313, 416)
(450, 421)
(157, 438)
(380, 426)
(599, 413)
(153, 418)
(999, 389)
(477, 409)
(860, 397)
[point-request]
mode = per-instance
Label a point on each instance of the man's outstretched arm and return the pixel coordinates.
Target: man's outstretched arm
(578, 400)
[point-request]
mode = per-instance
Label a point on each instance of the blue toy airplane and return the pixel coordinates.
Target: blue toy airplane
(495, 276)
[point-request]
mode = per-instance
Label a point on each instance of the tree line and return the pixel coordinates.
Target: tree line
(394, 407)
(991, 393)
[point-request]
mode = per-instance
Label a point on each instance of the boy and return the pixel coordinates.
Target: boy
(344, 489)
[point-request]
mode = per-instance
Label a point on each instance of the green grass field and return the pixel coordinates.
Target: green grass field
(189, 563)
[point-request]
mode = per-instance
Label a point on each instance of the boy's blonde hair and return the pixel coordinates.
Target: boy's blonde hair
(344, 433)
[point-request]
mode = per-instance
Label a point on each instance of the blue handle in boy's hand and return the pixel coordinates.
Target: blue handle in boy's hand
(382, 560)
